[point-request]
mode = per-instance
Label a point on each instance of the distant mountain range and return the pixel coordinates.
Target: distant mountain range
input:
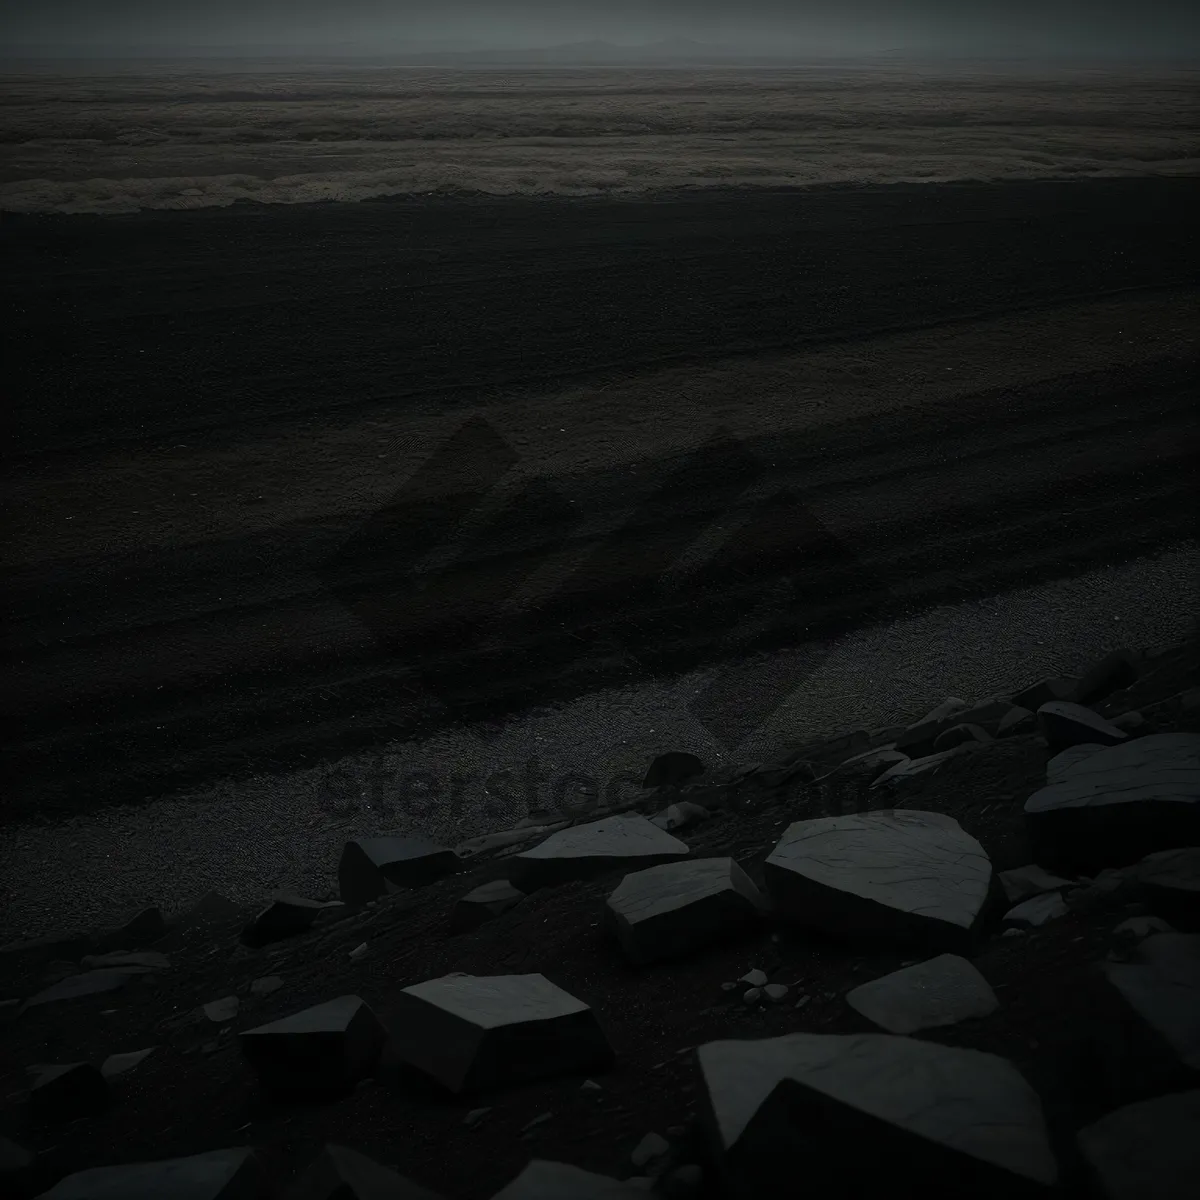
(588, 53)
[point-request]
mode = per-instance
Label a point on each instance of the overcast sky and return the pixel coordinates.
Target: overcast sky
(1081, 26)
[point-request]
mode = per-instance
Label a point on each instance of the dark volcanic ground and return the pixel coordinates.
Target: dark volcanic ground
(936, 391)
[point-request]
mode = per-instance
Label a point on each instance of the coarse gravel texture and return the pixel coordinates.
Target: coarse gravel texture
(247, 837)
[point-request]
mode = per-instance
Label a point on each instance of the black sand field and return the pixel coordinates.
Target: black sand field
(234, 433)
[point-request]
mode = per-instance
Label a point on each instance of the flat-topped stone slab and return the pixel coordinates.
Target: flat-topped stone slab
(899, 772)
(898, 875)
(327, 1047)
(813, 1102)
(1059, 687)
(1022, 882)
(626, 841)
(941, 991)
(1159, 1046)
(485, 902)
(672, 910)
(90, 983)
(1064, 725)
(1170, 881)
(340, 1173)
(1146, 1151)
(473, 1032)
(234, 1174)
(1065, 761)
(543, 1180)
(373, 867)
(284, 916)
(1118, 805)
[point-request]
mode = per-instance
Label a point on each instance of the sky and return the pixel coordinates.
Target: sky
(1120, 27)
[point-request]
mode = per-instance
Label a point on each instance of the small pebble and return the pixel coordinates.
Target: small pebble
(753, 995)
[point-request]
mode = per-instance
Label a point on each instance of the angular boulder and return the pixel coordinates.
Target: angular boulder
(373, 867)
(234, 1174)
(625, 842)
(917, 741)
(1061, 687)
(284, 917)
(142, 929)
(543, 1180)
(926, 1112)
(1146, 1151)
(1037, 910)
(1016, 720)
(1157, 1047)
(1118, 805)
(672, 910)
(679, 816)
(987, 713)
(672, 769)
(474, 1032)
(899, 875)
(90, 983)
(941, 991)
(339, 1173)
(959, 734)
(1065, 725)
(1170, 882)
(485, 902)
(900, 772)
(67, 1092)
(1112, 673)
(326, 1048)
(1023, 882)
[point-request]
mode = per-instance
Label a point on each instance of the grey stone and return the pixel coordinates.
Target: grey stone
(1064, 725)
(17, 1166)
(986, 713)
(234, 1174)
(266, 985)
(900, 875)
(959, 734)
(67, 1092)
(485, 902)
(672, 910)
(1064, 763)
(221, 1011)
(373, 867)
(286, 916)
(1112, 673)
(900, 772)
(752, 995)
(776, 992)
(326, 1048)
(679, 816)
(91, 983)
(872, 764)
(542, 1180)
(941, 991)
(1146, 1151)
(1170, 881)
(150, 959)
(1137, 929)
(1158, 1046)
(118, 1064)
(1037, 910)
(1022, 882)
(755, 978)
(1129, 721)
(950, 707)
(625, 841)
(918, 739)
(1016, 720)
(1061, 687)
(927, 1112)
(1119, 804)
(471, 1032)
(672, 769)
(144, 928)
(653, 1148)
(339, 1173)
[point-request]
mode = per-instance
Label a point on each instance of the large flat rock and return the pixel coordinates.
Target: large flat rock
(1146, 1151)
(847, 1112)
(672, 910)
(1159, 1045)
(372, 867)
(325, 1048)
(234, 1174)
(1170, 881)
(625, 841)
(1119, 804)
(473, 1032)
(543, 1180)
(1064, 725)
(90, 983)
(898, 875)
(941, 991)
(339, 1173)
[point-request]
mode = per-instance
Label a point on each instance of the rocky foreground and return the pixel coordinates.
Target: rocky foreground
(963, 951)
